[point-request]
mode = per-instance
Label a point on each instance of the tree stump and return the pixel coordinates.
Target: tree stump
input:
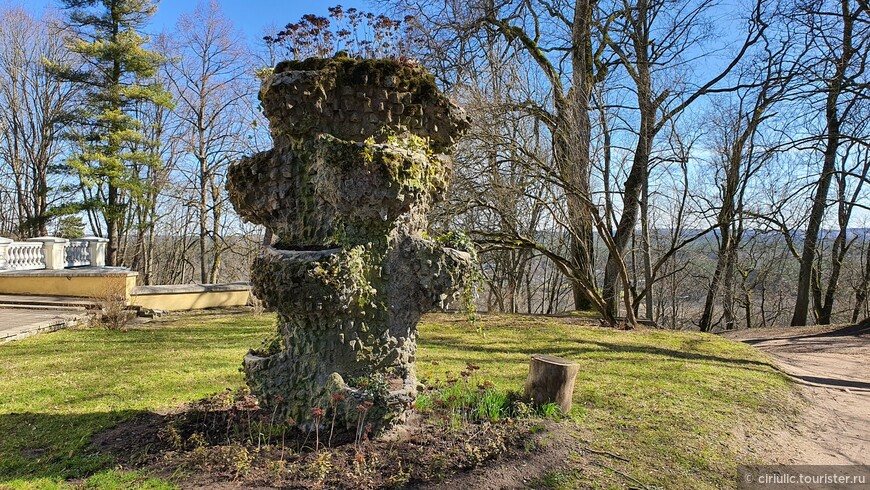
(551, 380)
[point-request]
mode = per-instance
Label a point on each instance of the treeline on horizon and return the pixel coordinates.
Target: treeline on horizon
(695, 164)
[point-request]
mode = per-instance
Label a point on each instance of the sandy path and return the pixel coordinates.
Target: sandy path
(833, 368)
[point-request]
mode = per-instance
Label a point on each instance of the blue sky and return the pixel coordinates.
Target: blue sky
(249, 16)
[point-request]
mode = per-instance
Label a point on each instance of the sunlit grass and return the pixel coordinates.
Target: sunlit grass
(665, 402)
(61, 388)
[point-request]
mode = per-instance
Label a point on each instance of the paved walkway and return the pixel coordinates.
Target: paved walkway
(16, 300)
(17, 323)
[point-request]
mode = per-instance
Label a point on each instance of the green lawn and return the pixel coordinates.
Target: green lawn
(673, 404)
(666, 403)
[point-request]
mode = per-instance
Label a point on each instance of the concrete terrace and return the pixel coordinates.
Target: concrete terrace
(18, 323)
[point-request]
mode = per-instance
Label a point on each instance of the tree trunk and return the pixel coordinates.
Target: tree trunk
(551, 380)
(637, 179)
(203, 218)
(728, 289)
(808, 255)
(217, 245)
(838, 253)
(647, 254)
(862, 290)
(820, 204)
(573, 150)
(706, 322)
(112, 228)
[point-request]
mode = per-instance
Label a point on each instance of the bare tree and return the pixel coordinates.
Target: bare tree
(741, 152)
(208, 74)
(853, 166)
(164, 133)
(837, 36)
(36, 106)
(651, 38)
(562, 64)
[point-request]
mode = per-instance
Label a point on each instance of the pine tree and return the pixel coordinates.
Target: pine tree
(70, 226)
(112, 149)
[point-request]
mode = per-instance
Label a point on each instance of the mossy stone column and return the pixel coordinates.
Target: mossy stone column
(361, 151)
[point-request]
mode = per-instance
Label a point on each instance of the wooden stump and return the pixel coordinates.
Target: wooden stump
(551, 380)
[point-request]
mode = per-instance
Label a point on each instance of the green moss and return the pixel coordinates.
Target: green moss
(352, 271)
(407, 161)
(271, 345)
(413, 172)
(406, 141)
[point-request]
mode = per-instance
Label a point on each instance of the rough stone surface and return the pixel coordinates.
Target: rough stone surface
(360, 153)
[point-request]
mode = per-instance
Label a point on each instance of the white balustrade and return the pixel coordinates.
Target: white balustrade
(24, 256)
(77, 253)
(4, 250)
(52, 253)
(96, 250)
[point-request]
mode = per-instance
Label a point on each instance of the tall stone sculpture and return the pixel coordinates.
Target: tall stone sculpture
(360, 153)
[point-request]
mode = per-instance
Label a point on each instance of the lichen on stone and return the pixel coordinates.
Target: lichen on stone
(361, 151)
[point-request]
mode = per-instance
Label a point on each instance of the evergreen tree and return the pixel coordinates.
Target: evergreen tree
(71, 227)
(116, 76)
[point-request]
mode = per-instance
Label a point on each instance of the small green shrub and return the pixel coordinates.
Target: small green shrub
(550, 411)
(463, 400)
(423, 404)
(493, 405)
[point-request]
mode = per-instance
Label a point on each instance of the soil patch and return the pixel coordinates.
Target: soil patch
(226, 441)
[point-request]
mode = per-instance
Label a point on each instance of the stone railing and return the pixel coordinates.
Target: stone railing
(52, 253)
(77, 253)
(22, 256)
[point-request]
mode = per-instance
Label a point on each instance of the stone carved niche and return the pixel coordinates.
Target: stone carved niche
(361, 151)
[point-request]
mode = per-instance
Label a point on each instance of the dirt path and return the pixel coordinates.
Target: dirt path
(833, 368)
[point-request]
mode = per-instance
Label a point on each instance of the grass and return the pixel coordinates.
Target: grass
(60, 389)
(666, 403)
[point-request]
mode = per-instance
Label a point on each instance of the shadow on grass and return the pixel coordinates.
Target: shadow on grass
(836, 382)
(595, 347)
(55, 446)
(858, 330)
